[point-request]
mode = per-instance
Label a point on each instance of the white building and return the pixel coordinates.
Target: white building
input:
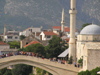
(30, 30)
(47, 35)
(88, 46)
(11, 36)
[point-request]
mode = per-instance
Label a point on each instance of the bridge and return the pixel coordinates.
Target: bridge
(45, 64)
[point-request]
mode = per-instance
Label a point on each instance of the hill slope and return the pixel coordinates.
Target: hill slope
(20, 14)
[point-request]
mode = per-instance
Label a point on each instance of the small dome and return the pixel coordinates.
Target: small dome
(91, 30)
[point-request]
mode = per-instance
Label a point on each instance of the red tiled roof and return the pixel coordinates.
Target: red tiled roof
(27, 28)
(2, 43)
(49, 33)
(67, 29)
(67, 40)
(33, 42)
(57, 27)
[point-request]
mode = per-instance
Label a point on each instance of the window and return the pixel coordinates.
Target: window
(48, 36)
(16, 37)
(26, 43)
(30, 30)
(9, 37)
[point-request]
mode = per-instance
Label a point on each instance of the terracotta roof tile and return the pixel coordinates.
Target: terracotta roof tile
(2, 43)
(67, 29)
(33, 42)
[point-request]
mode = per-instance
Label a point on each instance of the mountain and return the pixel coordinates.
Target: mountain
(21, 14)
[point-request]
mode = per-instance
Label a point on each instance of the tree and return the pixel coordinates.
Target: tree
(14, 44)
(2, 71)
(55, 47)
(0, 39)
(85, 25)
(22, 69)
(36, 48)
(22, 37)
(8, 72)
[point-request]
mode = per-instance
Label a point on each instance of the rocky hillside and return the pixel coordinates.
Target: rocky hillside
(20, 14)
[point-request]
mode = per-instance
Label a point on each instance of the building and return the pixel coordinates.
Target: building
(30, 30)
(33, 42)
(57, 29)
(47, 35)
(11, 36)
(30, 39)
(5, 48)
(88, 46)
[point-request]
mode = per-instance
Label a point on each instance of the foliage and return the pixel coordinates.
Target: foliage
(31, 74)
(85, 25)
(70, 61)
(80, 61)
(14, 44)
(22, 69)
(8, 72)
(0, 39)
(84, 73)
(2, 71)
(22, 37)
(36, 48)
(55, 47)
(92, 72)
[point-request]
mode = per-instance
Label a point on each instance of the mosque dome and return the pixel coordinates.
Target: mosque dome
(91, 30)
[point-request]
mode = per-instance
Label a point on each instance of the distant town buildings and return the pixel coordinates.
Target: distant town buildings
(47, 35)
(30, 30)
(11, 36)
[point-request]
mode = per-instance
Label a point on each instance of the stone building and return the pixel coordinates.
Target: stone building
(88, 46)
(31, 38)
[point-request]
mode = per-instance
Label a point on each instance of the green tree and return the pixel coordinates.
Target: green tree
(36, 48)
(8, 72)
(0, 38)
(2, 71)
(22, 69)
(80, 61)
(85, 73)
(14, 44)
(22, 37)
(85, 25)
(55, 47)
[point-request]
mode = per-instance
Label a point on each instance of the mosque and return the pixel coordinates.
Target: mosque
(87, 44)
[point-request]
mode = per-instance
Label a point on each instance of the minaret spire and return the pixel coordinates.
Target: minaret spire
(72, 46)
(63, 21)
(4, 32)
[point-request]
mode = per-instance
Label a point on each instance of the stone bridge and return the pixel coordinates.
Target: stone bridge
(52, 67)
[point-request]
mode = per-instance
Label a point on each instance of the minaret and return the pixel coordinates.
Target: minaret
(72, 46)
(63, 21)
(4, 33)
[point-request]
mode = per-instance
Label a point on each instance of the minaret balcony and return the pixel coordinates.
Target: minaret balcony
(73, 11)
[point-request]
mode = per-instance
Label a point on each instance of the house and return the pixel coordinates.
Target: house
(47, 35)
(5, 48)
(57, 29)
(33, 42)
(31, 38)
(30, 30)
(11, 36)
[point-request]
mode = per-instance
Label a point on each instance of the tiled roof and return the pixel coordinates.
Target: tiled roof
(67, 29)
(49, 33)
(2, 43)
(27, 29)
(33, 42)
(57, 27)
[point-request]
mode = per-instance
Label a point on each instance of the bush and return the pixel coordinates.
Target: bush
(80, 61)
